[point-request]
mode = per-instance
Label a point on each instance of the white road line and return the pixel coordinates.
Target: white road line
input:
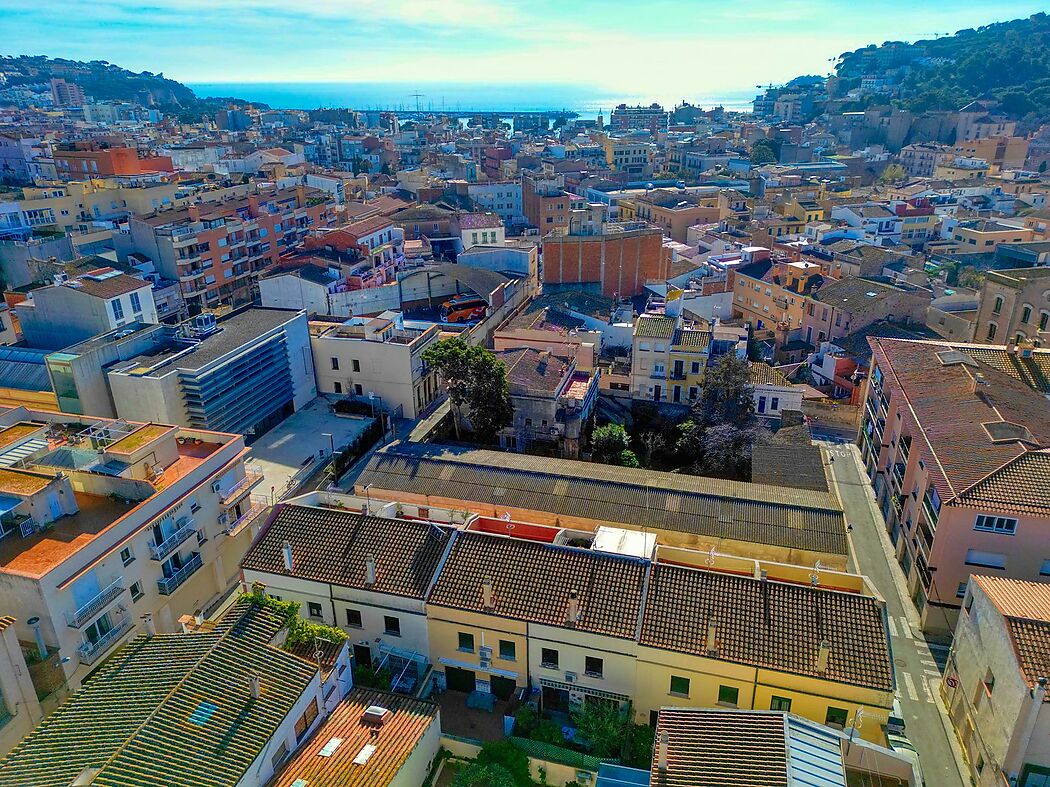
(909, 684)
(907, 628)
(932, 686)
(893, 627)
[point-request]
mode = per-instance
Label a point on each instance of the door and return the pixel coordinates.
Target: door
(362, 655)
(677, 396)
(459, 679)
(679, 369)
(54, 505)
(761, 404)
(656, 393)
(502, 687)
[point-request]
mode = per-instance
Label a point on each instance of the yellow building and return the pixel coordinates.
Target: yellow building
(668, 356)
(986, 234)
(804, 210)
(770, 293)
(66, 206)
(586, 626)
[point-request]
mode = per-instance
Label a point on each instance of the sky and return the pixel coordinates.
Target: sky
(661, 47)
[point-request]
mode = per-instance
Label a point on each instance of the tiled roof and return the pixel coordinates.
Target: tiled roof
(764, 374)
(692, 339)
(132, 720)
(716, 508)
(332, 546)
(533, 369)
(650, 326)
(856, 295)
(1026, 608)
(1020, 485)
(717, 748)
(367, 226)
(477, 221)
(771, 625)
(394, 742)
(951, 411)
(799, 465)
(110, 287)
(532, 581)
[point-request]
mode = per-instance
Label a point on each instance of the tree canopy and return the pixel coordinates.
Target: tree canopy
(476, 379)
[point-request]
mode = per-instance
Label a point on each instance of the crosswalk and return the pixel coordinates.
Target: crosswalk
(919, 688)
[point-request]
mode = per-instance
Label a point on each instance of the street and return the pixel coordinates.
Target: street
(918, 669)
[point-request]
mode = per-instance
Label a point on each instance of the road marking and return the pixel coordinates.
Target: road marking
(909, 684)
(907, 628)
(893, 627)
(932, 686)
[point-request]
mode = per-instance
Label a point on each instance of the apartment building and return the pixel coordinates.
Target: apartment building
(996, 681)
(987, 234)
(215, 251)
(881, 225)
(472, 229)
(625, 118)
(373, 249)
(673, 211)
(92, 159)
(105, 522)
(243, 373)
(1015, 306)
(921, 159)
(76, 308)
(545, 202)
(227, 701)
(495, 605)
(772, 292)
(954, 438)
(843, 306)
(629, 156)
(375, 359)
(91, 203)
(552, 398)
(1001, 152)
(668, 358)
(502, 197)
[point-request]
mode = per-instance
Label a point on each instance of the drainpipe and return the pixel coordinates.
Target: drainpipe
(1016, 756)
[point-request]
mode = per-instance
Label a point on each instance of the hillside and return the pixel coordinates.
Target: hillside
(1006, 61)
(104, 81)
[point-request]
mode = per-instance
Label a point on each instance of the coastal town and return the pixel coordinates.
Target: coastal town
(668, 446)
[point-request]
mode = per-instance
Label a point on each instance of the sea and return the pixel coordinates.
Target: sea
(455, 97)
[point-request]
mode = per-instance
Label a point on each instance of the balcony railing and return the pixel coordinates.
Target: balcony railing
(106, 596)
(259, 507)
(172, 542)
(89, 652)
(928, 512)
(167, 585)
(251, 478)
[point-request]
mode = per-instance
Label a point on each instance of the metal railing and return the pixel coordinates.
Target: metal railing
(251, 478)
(89, 652)
(105, 597)
(167, 585)
(259, 507)
(172, 542)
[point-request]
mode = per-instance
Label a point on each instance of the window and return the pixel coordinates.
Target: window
(694, 368)
(997, 307)
(355, 365)
(728, 695)
(338, 387)
(136, 591)
(466, 642)
(335, 364)
(836, 717)
(126, 556)
(1044, 320)
(960, 592)
(679, 686)
(975, 557)
(996, 524)
(358, 389)
(353, 618)
(314, 609)
(305, 721)
(136, 304)
(991, 330)
(549, 658)
(1026, 313)
(279, 755)
(594, 667)
(118, 309)
(988, 683)
(392, 625)
(780, 703)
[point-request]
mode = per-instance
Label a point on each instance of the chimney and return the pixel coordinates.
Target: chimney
(258, 590)
(572, 611)
(38, 636)
(823, 654)
(149, 625)
(194, 211)
(661, 757)
(712, 637)
(370, 569)
(486, 593)
(286, 553)
(198, 617)
(254, 685)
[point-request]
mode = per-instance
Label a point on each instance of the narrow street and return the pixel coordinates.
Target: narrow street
(918, 668)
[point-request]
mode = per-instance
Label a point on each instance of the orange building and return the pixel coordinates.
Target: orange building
(91, 160)
(615, 260)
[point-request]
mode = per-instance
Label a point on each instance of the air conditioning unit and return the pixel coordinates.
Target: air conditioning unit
(485, 663)
(216, 486)
(571, 677)
(485, 652)
(224, 518)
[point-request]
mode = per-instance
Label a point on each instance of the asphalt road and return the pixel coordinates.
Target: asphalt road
(918, 669)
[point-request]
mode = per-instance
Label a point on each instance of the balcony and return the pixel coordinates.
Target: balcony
(90, 652)
(259, 508)
(928, 512)
(106, 596)
(168, 585)
(897, 476)
(251, 478)
(186, 529)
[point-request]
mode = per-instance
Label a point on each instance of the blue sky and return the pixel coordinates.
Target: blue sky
(660, 47)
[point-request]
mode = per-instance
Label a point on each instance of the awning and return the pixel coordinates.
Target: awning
(9, 504)
(476, 668)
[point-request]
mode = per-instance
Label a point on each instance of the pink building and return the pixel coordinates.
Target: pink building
(956, 440)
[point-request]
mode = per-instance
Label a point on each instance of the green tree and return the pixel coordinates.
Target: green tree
(609, 441)
(505, 756)
(475, 378)
(638, 747)
(894, 173)
(603, 726)
(478, 775)
(763, 152)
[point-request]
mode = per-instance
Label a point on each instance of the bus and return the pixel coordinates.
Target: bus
(463, 308)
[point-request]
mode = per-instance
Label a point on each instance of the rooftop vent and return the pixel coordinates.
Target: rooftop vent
(954, 358)
(1007, 432)
(375, 714)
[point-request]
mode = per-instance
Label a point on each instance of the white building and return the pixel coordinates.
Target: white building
(502, 197)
